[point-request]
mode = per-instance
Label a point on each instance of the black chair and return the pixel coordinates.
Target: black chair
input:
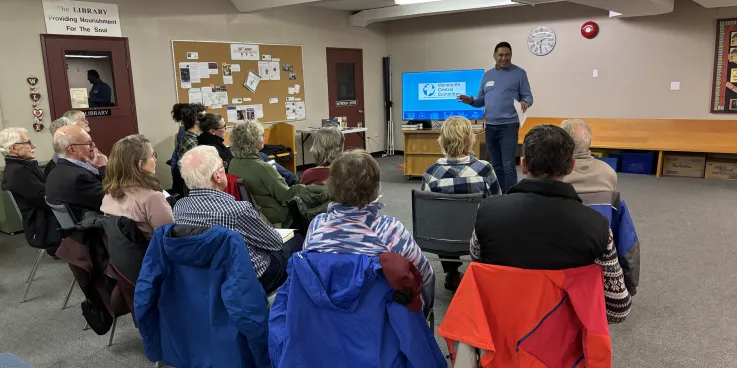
(66, 220)
(443, 224)
(40, 254)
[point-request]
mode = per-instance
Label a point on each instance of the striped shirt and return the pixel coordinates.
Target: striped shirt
(354, 230)
(210, 207)
(463, 175)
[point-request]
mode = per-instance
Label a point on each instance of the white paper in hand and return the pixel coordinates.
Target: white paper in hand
(522, 116)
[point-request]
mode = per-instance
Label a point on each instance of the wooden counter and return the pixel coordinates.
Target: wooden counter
(421, 149)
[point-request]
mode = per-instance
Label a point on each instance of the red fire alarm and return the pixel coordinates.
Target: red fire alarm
(589, 29)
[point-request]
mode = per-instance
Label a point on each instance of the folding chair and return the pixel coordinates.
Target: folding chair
(443, 224)
(40, 254)
(66, 220)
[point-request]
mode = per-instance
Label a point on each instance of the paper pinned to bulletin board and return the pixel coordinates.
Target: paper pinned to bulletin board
(242, 80)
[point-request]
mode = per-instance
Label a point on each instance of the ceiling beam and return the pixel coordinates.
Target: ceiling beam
(716, 3)
(250, 6)
(366, 17)
(631, 8)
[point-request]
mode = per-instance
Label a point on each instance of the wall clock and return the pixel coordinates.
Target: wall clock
(541, 40)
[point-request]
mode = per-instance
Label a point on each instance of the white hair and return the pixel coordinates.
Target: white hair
(580, 132)
(198, 165)
(58, 123)
(9, 137)
(73, 115)
(61, 143)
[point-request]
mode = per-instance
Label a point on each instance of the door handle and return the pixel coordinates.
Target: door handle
(360, 111)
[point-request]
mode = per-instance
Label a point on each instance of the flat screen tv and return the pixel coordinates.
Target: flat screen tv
(434, 95)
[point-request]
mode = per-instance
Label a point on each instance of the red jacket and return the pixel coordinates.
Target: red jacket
(531, 318)
(232, 187)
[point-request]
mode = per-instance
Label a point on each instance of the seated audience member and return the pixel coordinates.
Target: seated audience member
(71, 117)
(213, 130)
(541, 223)
(131, 187)
(77, 179)
(459, 172)
(595, 183)
(326, 147)
(268, 188)
(289, 177)
(23, 178)
(187, 115)
(589, 175)
(78, 118)
(208, 205)
(352, 223)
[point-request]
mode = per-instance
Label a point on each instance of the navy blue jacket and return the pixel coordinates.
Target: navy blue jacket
(198, 302)
(336, 310)
(613, 207)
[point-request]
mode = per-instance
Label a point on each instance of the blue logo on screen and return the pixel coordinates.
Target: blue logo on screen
(429, 90)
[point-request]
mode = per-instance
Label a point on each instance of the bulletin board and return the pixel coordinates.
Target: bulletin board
(215, 73)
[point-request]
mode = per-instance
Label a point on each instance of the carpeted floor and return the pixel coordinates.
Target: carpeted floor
(683, 316)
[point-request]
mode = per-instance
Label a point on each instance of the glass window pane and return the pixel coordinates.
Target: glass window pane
(345, 80)
(90, 76)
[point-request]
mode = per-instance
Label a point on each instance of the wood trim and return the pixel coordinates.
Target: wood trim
(677, 135)
(129, 67)
(659, 171)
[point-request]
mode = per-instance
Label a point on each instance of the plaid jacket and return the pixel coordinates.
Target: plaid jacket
(465, 175)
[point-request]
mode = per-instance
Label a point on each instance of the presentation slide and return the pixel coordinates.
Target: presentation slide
(434, 95)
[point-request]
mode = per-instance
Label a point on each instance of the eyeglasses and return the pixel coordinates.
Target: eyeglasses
(154, 156)
(28, 143)
(91, 144)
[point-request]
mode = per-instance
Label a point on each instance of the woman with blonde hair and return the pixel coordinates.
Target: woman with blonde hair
(459, 172)
(131, 187)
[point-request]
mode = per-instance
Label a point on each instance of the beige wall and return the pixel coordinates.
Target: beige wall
(151, 25)
(636, 58)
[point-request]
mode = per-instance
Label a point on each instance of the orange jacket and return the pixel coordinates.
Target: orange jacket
(531, 318)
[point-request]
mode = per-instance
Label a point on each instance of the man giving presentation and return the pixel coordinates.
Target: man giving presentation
(500, 87)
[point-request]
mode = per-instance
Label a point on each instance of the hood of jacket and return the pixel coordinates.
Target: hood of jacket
(192, 245)
(334, 281)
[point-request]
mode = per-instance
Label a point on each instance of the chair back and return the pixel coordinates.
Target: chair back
(15, 204)
(443, 223)
(244, 192)
(64, 215)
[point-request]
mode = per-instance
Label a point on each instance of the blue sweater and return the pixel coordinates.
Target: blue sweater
(499, 89)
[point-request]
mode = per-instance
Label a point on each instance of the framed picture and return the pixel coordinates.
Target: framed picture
(724, 84)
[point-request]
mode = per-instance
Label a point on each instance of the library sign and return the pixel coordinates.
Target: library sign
(80, 18)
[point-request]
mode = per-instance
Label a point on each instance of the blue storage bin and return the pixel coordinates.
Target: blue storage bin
(638, 163)
(611, 161)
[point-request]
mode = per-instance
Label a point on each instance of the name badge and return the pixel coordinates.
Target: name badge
(490, 84)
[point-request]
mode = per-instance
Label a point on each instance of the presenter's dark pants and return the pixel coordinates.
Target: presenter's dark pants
(276, 274)
(501, 142)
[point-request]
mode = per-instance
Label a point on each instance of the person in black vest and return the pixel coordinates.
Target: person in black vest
(25, 181)
(542, 224)
(213, 130)
(77, 179)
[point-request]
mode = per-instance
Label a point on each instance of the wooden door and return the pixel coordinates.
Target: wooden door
(345, 90)
(67, 60)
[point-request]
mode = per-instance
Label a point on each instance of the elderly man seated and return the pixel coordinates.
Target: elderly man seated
(595, 182)
(71, 117)
(77, 179)
(208, 205)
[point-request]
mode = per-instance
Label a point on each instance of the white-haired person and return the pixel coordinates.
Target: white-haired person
(25, 181)
(459, 172)
(327, 145)
(589, 174)
(208, 205)
(595, 183)
(71, 117)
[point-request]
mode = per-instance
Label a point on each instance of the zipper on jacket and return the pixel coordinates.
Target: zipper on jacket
(578, 361)
(541, 322)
